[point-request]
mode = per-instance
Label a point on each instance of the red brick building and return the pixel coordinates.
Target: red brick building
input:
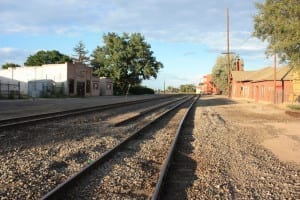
(259, 85)
(208, 86)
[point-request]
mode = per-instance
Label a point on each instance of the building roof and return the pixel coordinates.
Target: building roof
(265, 74)
(242, 75)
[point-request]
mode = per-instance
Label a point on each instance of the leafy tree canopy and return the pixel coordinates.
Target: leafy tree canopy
(81, 53)
(187, 88)
(278, 23)
(7, 65)
(172, 89)
(128, 59)
(47, 57)
(220, 72)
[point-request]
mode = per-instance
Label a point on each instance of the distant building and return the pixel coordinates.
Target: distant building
(199, 89)
(71, 79)
(208, 86)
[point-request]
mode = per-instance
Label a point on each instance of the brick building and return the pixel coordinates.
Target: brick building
(259, 85)
(208, 86)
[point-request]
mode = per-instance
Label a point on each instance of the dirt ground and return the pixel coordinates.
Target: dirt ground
(244, 150)
(286, 145)
(276, 130)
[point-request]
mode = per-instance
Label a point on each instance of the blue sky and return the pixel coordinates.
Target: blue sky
(186, 35)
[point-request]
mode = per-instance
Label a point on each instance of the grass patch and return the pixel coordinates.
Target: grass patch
(294, 107)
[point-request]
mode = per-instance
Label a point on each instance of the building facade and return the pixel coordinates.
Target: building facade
(106, 86)
(263, 85)
(208, 86)
(71, 79)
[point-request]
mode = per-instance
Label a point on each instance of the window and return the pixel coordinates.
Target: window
(95, 86)
(88, 86)
(108, 86)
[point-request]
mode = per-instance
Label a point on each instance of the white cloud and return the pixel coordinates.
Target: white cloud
(190, 21)
(175, 17)
(13, 55)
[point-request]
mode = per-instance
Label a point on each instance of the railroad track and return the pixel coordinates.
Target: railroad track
(177, 173)
(131, 169)
(32, 119)
(42, 155)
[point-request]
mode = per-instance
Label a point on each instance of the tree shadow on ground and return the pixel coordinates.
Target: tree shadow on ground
(209, 100)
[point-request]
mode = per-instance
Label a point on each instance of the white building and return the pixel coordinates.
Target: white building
(198, 89)
(73, 79)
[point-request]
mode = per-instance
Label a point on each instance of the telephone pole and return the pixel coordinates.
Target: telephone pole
(228, 55)
(275, 65)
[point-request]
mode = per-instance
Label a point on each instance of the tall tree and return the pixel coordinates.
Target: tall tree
(7, 65)
(220, 73)
(128, 59)
(81, 53)
(47, 57)
(278, 23)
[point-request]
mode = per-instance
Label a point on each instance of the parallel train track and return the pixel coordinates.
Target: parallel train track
(55, 149)
(83, 185)
(31, 119)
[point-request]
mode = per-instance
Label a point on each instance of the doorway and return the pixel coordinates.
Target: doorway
(80, 88)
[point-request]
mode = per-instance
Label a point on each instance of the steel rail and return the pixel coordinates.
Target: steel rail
(13, 122)
(164, 170)
(60, 190)
(146, 111)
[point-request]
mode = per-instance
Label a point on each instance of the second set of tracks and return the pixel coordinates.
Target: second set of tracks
(137, 164)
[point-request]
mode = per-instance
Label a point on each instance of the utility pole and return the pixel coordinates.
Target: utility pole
(228, 56)
(275, 63)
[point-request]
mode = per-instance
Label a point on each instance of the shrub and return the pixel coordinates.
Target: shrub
(138, 90)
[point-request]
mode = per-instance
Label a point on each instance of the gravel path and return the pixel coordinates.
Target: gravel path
(231, 162)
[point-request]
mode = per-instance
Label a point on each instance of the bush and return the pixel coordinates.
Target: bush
(138, 90)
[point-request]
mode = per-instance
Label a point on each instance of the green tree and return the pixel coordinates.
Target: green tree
(81, 53)
(7, 65)
(220, 72)
(128, 59)
(278, 23)
(172, 89)
(47, 57)
(187, 88)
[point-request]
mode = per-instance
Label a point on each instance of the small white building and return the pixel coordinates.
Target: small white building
(40, 88)
(73, 79)
(198, 89)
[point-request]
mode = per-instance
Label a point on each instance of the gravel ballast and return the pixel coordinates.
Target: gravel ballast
(231, 162)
